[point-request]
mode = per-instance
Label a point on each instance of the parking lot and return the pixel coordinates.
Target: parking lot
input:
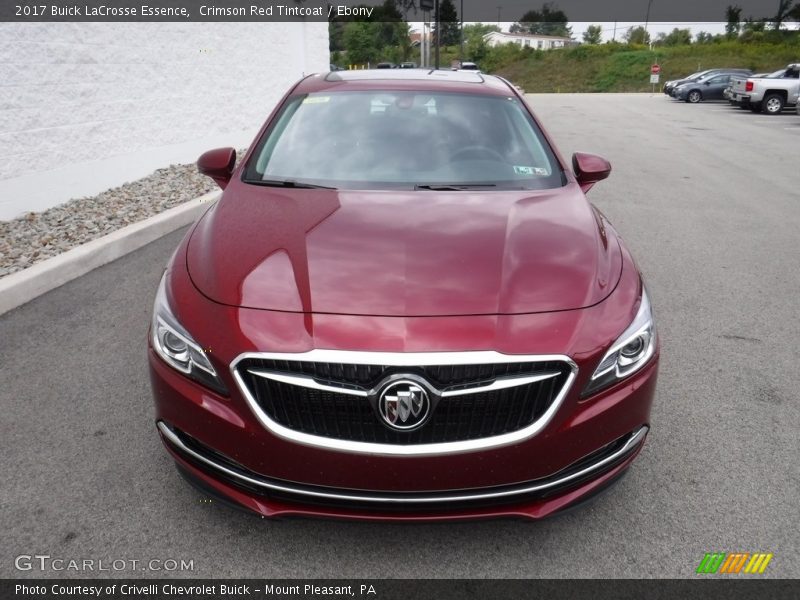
(708, 198)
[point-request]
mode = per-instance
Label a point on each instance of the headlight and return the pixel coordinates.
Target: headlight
(629, 353)
(176, 347)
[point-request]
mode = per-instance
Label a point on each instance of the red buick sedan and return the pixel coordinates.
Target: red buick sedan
(403, 307)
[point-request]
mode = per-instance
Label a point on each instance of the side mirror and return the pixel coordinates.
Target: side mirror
(218, 164)
(708, 83)
(589, 169)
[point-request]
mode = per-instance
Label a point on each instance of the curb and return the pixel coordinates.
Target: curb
(23, 286)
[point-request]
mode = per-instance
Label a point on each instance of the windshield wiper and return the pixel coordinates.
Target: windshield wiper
(444, 187)
(288, 183)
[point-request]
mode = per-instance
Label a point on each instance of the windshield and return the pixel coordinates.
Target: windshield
(413, 140)
(698, 75)
(710, 76)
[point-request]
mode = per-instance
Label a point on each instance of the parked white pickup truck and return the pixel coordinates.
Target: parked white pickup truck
(769, 94)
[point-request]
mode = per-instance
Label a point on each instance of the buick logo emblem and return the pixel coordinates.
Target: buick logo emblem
(404, 405)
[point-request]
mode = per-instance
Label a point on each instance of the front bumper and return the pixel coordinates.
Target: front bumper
(220, 477)
(231, 455)
(223, 469)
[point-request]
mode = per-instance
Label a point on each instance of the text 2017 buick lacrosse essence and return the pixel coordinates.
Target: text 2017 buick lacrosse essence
(403, 307)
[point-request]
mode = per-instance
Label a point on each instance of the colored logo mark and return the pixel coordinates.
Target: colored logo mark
(734, 562)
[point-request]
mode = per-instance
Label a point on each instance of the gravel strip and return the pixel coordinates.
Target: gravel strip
(37, 236)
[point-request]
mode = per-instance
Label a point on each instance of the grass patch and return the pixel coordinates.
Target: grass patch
(623, 68)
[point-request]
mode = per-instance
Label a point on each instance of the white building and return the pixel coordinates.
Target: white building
(88, 106)
(526, 40)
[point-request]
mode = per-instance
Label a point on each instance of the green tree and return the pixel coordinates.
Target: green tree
(360, 42)
(384, 19)
(733, 16)
(703, 37)
(449, 24)
(550, 20)
(387, 12)
(478, 29)
(336, 35)
(751, 26)
(593, 34)
(475, 47)
(637, 35)
(384, 36)
(678, 37)
(404, 40)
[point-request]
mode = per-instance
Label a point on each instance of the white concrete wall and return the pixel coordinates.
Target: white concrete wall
(86, 106)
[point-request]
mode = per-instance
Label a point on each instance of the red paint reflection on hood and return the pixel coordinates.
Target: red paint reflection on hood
(403, 253)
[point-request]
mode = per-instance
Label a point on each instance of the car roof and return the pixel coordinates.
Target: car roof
(723, 70)
(416, 79)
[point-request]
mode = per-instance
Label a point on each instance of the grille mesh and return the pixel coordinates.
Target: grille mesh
(458, 418)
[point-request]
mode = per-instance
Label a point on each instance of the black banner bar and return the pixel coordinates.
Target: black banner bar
(704, 587)
(664, 11)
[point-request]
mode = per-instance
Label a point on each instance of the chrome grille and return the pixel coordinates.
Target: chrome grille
(316, 407)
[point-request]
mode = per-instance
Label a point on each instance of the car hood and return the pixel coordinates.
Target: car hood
(404, 253)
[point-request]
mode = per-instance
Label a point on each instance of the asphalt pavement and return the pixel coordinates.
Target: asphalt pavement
(708, 199)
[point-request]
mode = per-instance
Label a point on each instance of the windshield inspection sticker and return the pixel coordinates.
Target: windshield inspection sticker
(523, 170)
(316, 99)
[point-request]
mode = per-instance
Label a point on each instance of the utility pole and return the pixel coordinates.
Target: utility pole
(426, 6)
(427, 38)
(461, 50)
(614, 37)
(646, 22)
(438, 34)
(423, 42)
